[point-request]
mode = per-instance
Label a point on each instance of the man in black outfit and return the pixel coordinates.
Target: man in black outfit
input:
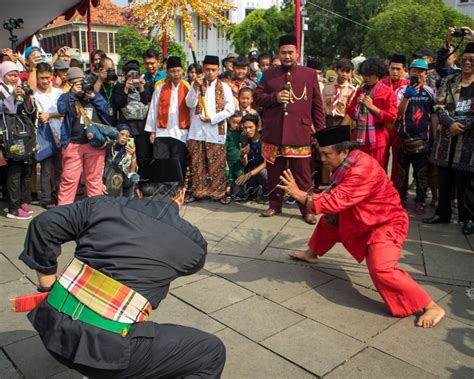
(144, 244)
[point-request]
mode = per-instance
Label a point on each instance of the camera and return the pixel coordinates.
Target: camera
(88, 83)
(111, 75)
(459, 32)
(28, 91)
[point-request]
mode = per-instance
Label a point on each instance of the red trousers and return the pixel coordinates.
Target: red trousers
(399, 291)
(379, 153)
(78, 158)
(301, 170)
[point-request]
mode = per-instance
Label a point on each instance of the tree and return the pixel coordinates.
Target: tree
(262, 28)
(408, 25)
(132, 45)
(337, 29)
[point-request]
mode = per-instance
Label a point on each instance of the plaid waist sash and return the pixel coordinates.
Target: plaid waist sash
(104, 295)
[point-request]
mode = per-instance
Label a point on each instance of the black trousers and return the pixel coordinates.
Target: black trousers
(464, 191)
(175, 352)
(420, 173)
(50, 167)
(167, 147)
(144, 149)
(18, 183)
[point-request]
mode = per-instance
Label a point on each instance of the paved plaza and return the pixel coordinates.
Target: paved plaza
(279, 318)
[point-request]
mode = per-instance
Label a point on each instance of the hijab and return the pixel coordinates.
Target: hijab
(6, 90)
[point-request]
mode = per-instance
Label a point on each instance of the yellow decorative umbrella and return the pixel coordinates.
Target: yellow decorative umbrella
(157, 17)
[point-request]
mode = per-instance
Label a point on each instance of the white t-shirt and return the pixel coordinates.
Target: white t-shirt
(48, 102)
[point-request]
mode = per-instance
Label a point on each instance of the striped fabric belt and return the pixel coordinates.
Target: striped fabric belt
(104, 295)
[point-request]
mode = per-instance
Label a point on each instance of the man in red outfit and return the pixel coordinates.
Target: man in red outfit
(292, 108)
(373, 108)
(362, 210)
(396, 78)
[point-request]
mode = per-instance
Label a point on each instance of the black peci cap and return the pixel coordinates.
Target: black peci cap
(314, 64)
(287, 40)
(162, 171)
(332, 135)
(173, 62)
(211, 59)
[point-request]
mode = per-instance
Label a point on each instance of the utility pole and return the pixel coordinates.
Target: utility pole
(304, 13)
(298, 24)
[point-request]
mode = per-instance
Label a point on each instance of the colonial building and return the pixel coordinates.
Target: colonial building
(106, 20)
(214, 41)
(462, 6)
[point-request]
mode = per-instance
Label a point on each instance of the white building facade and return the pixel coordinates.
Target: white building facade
(462, 6)
(214, 41)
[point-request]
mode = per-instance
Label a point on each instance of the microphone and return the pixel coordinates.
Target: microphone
(286, 87)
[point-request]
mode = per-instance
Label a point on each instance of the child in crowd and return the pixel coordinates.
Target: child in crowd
(246, 104)
(120, 170)
(254, 180)
(227, 77)
(233, 152)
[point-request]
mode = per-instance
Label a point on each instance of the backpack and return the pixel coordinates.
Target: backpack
(135, 109)
(19, 136)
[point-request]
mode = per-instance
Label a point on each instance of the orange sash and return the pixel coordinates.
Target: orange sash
(164, 105)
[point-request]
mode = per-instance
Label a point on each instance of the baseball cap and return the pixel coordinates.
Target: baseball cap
(61, 65)
(425, 52)
(419, 63)
(254, 54)
(30, 49)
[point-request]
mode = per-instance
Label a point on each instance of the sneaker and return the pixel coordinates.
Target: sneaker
(27, 208)
(419, 209)
(290, 201)
(18, 214)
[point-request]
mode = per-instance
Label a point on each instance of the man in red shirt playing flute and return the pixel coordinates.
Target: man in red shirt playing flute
(362, 210)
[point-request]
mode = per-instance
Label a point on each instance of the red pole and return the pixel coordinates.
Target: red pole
(89, 32)
(164, 45)
(298, 25)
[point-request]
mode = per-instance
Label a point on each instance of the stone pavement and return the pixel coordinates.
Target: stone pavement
(279, 318)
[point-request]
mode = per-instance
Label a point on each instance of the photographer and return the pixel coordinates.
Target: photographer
(105, 84)
(131, 100)
(452, 150)
(14, 100)
(96, 57)
(77, 154)
(446, 57)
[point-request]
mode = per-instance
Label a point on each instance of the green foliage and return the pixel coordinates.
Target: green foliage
(263, 28)
(132, 45)
(331, 37)
(408, 25)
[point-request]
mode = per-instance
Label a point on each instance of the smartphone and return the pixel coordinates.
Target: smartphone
(135, 76)
(130, 142)
(73, 52)
(413, 81)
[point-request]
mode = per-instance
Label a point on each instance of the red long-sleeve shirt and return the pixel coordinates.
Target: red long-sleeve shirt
(385, 100)
(369, 211)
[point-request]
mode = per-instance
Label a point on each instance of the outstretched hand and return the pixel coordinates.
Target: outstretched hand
(288, 184)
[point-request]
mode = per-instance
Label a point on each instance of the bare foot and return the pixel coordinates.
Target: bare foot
(308, 256)
(432, 315)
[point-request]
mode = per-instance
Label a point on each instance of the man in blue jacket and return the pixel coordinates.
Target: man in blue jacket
(77, 154)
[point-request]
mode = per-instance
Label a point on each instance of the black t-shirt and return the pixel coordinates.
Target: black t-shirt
(77, 132)
(463, 108)
(255, 157)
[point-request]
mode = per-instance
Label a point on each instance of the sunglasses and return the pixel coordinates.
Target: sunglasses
(467, 59)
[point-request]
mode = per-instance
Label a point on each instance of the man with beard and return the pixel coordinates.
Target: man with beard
(292, 108)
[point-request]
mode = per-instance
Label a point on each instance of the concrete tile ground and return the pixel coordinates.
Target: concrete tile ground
(280, 318)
